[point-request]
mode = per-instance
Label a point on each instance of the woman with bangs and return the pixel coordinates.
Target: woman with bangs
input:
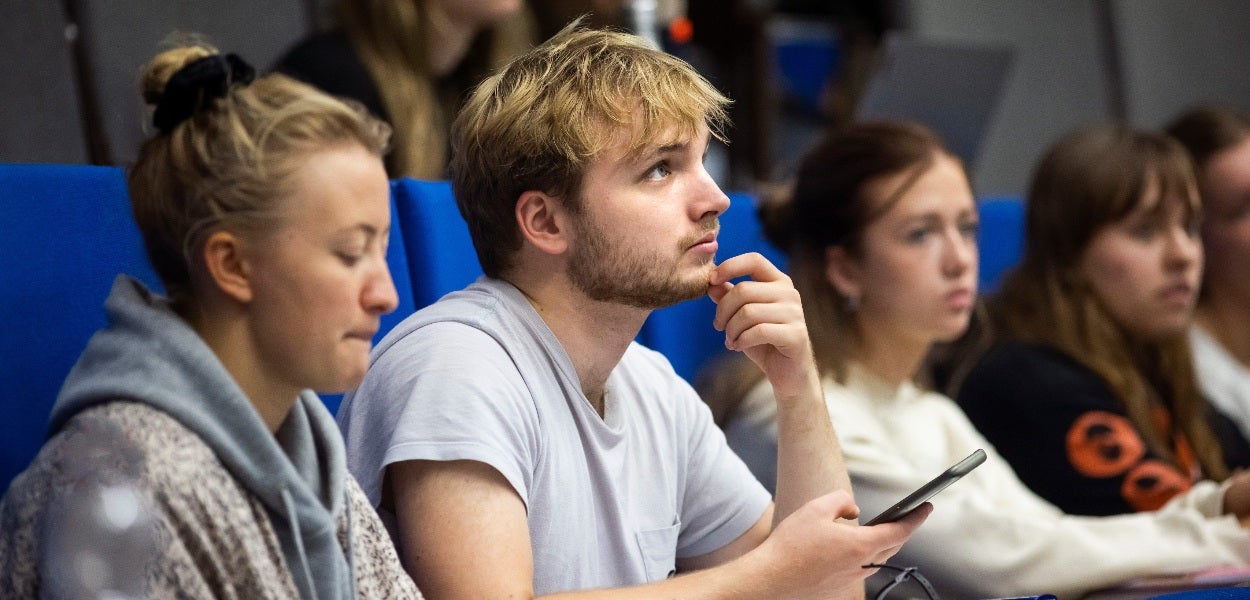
(880, 234)
(1089, 391)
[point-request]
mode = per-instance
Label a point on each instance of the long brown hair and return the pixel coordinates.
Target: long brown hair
(1089, 180)
(390, 36)
(829, 206)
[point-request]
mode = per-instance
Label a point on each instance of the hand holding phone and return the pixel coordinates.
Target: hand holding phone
(926, 491)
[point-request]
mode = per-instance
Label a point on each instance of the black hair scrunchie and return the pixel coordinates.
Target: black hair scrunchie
(196, 84)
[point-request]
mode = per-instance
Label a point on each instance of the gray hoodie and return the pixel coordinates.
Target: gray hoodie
(148, 354)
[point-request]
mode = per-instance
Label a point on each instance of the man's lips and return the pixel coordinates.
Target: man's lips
(706, 244)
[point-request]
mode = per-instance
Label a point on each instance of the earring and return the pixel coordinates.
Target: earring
(850, 303)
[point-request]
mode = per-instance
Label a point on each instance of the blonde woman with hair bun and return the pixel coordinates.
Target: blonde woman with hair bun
(264, 208)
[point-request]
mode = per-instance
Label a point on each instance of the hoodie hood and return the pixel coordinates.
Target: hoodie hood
(148, 354)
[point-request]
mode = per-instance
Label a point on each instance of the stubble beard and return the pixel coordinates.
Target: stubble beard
(608, 272)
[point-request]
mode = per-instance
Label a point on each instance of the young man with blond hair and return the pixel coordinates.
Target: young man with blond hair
(517, 440)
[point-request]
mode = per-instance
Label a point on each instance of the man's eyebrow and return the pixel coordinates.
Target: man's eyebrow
(662, 150)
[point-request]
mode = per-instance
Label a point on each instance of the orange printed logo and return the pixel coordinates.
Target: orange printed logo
(1103, 444)
(1151, 484)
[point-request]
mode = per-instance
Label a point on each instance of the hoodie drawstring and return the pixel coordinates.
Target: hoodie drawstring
(293, 523)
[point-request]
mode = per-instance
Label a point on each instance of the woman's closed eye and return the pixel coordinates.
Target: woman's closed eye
(348, 257)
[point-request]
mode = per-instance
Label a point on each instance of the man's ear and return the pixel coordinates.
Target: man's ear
(543, 221)
(843, 272)
(227, 266)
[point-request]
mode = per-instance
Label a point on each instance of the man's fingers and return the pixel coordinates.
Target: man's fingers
(838, 504)
(903, 528)
(751, 264)
(717, 291)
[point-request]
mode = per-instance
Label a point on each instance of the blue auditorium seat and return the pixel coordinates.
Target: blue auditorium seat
(1001, 240)
(439, 250)
(684, 332)
(65, 233)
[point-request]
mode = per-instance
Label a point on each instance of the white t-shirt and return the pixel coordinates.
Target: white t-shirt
(611, 501)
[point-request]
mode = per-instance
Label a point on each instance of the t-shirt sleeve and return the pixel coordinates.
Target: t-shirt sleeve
(446, 392)
(722, 499)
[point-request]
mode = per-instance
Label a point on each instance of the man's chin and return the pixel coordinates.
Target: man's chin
(663, 298)
(690, 291)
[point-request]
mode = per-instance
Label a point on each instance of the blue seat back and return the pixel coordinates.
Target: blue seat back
(1000, 241)
(439, 250)
(683, 332)
(65, 232)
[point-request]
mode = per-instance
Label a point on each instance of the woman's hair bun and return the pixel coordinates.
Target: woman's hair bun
(157, 72)
(201, 78)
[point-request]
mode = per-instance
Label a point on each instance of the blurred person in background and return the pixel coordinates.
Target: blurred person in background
(411, 62)
(1218, 140)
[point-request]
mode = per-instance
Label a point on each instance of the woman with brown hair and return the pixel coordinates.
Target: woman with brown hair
(192, 419)
(880, 233)
(1089, 391)
(1218, 140)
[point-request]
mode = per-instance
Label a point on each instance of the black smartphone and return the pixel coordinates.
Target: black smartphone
(926, 491)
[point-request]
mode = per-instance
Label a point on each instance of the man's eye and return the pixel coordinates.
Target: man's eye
(659, 171)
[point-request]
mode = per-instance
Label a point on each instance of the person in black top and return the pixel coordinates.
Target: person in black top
(1089, 390)
(410, 62)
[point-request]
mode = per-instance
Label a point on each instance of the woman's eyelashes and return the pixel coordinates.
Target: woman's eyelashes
(349, 258)
(918, 234)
